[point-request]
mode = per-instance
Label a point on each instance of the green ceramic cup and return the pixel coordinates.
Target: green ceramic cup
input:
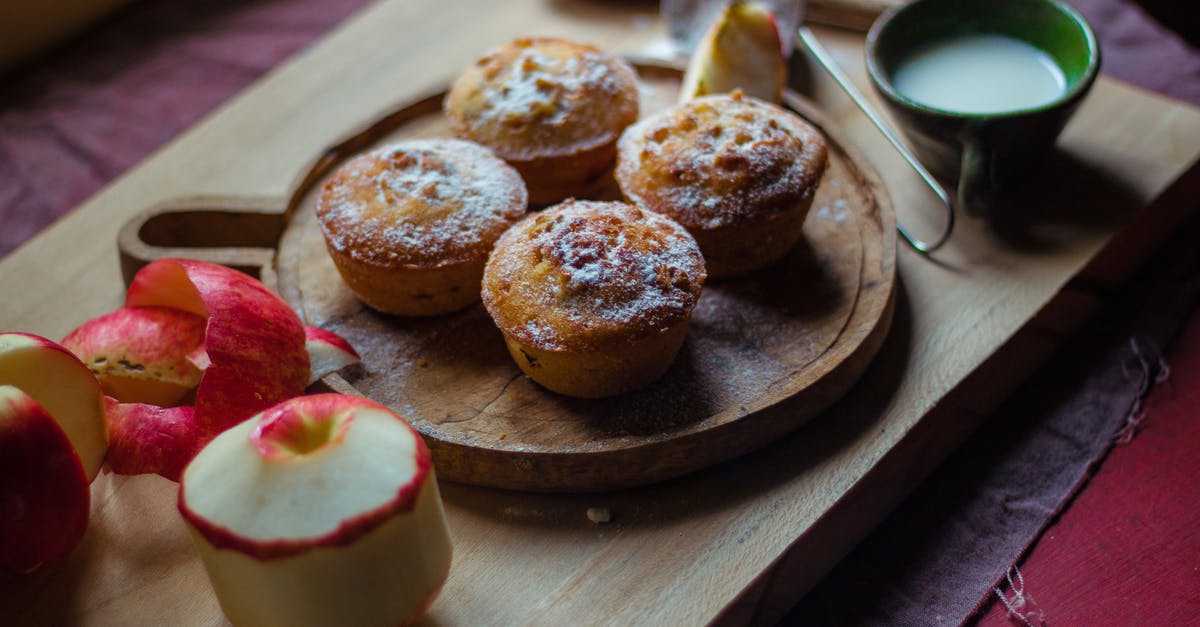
(987, 152)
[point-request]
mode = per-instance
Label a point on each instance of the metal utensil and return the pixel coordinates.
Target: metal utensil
(823, 57)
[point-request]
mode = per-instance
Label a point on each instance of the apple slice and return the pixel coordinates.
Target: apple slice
(741, 50)
(60, 383)
(254, 341)
(143, 354)
(327, 352)
(322, 510)
(44, 496)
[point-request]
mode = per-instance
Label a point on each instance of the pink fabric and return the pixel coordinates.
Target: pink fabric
(80, 117)
(1141, 51)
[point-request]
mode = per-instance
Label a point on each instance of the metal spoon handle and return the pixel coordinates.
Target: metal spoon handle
(823, 57)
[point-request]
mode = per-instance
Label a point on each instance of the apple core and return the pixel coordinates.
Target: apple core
(286, 432)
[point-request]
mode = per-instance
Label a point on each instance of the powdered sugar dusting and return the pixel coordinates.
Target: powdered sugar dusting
(583, 271)
(543, 97)
(716, 161)
(421, 202)
(539, 86)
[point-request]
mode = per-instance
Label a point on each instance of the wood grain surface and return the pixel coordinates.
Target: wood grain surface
(678, 552)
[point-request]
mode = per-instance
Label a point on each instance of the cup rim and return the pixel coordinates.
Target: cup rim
(877, 75)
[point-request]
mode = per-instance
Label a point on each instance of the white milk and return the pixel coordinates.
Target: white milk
(980, 74)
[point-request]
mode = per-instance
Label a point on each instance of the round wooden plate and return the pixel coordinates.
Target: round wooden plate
(764, 353)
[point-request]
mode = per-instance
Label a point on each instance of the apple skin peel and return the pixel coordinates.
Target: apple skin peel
(198, 348)
(320, 510)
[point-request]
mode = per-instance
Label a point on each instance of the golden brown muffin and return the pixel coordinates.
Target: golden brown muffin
(552, 108)
(593, 298)
(410, 226)
(739, 173)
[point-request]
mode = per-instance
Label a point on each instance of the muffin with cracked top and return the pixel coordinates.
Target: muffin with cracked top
(550, 107)
(593, 298)
(739, 173)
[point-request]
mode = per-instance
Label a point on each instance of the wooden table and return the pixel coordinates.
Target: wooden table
(761, 529)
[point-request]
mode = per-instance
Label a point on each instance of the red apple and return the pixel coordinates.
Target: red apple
(60, 383)
(44, 497)
(321, 510)
(254, 341)
(143, 354)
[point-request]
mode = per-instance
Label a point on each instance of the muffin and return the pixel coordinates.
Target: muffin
(593, 298)
(552, 108)
(409, 226)
(739, 173)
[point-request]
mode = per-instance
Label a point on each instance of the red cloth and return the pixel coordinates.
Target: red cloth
(1127, 551)
(1137, 49)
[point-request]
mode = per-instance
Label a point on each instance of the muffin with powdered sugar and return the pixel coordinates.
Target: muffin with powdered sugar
(594, 298)
(409, 226)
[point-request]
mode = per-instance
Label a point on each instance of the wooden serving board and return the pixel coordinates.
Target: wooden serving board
(799, 333)
(746, 536)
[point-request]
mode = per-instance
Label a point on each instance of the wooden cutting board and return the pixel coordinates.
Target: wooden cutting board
(800, 333)
(968, 326)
